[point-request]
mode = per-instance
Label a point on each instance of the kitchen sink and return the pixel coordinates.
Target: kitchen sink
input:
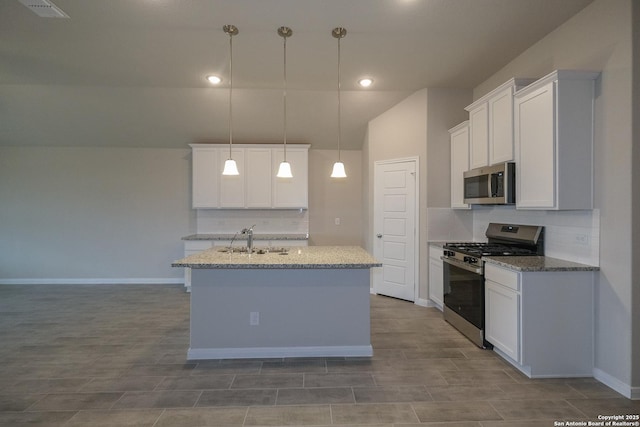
(261, 251)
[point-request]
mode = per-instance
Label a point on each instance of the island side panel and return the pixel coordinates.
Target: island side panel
(314, 312)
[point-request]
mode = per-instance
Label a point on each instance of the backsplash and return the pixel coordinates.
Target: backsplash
(449, 225)
(270, 221)
(569, 235)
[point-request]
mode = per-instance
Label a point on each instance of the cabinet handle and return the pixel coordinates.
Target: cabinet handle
(379, 236)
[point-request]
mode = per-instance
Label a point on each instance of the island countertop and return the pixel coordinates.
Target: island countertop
(309, 257)
(239, 237)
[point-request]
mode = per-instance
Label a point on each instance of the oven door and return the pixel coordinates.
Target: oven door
(464, 290)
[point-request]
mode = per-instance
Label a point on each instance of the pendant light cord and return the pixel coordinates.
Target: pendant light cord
(339, 32)
(285, 98)
(230, 92)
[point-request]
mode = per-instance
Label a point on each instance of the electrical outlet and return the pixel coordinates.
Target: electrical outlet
(254, 318)
(337, 221)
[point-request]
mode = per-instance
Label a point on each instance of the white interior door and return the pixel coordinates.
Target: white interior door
(395, 201)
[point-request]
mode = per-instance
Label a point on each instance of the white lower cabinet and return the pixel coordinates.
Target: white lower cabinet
(502, 322)
(192, 247)
(541, 322)
(436, 288)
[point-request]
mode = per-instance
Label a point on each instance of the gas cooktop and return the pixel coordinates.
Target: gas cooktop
(488, 249)
(503, 240)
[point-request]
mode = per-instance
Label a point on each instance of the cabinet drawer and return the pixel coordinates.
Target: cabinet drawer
(502, 276)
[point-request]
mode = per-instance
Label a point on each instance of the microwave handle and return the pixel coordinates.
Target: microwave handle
(493, 185)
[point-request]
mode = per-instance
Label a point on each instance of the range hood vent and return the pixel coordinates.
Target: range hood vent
(44, 8)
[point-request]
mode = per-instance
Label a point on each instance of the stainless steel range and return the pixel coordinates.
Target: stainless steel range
(464, 273)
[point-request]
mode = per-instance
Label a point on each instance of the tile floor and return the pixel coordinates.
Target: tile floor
(115, 356)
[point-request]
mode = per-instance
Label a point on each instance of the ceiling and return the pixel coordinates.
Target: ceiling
(132, 72)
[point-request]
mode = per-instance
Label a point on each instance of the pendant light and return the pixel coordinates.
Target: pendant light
(284, 171)
(230, 167)
(338, 167)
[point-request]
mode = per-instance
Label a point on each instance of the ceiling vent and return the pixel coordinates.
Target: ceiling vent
(44, 8)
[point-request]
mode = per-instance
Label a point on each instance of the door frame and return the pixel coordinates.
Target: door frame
(416, 231)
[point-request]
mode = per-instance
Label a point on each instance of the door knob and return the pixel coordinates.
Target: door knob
(379, 236)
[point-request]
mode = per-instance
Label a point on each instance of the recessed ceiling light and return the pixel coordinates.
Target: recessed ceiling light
(366, 82)
(214, 80)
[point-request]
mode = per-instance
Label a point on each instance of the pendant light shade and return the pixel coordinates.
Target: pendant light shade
(284, 171)
(338, 167)
(230, 167)
(338, 170)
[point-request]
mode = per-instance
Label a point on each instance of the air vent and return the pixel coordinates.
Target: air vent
(44, 8)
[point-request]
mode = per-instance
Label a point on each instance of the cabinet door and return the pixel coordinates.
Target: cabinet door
(258, 177)
(232, 187)
(501, 127)
(479, 136)
(459, 165)
(436, 288)
(205, 177)
(535, 139)
(502, 318)
(291, 192)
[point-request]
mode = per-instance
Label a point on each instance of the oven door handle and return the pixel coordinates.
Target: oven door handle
(462, 265)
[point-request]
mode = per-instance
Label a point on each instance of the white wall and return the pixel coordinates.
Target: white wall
(99, 213)
(599, 38)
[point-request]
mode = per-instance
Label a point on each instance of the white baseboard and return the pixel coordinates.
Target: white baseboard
(422, 302)
(614, 383)
(94, 281)
(271, 352)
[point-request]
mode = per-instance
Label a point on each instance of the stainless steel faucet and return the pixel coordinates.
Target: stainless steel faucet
(249, 233)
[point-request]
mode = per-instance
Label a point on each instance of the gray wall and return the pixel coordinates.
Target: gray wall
(599, 38)
(416, 127)
(444, 111)
(635, 19)
(118, 214)
(97, 213)
(331, 198)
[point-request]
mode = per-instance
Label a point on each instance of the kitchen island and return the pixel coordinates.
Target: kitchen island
(305, 302)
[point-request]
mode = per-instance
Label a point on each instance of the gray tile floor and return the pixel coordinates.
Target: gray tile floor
(115, 356)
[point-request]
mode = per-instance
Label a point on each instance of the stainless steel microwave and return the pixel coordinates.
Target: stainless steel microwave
(491, 185)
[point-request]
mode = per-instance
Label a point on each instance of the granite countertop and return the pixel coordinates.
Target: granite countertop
(312, 257)
(256, 236)
(537, 263)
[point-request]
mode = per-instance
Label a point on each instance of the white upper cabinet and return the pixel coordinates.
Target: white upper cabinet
(257, 186)
(491, 125)
(501, 126)
(459, 137)
(205, 177)
(291, 192)
(554, 142)
(232, 187)
(479, 136)
(258, 175)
